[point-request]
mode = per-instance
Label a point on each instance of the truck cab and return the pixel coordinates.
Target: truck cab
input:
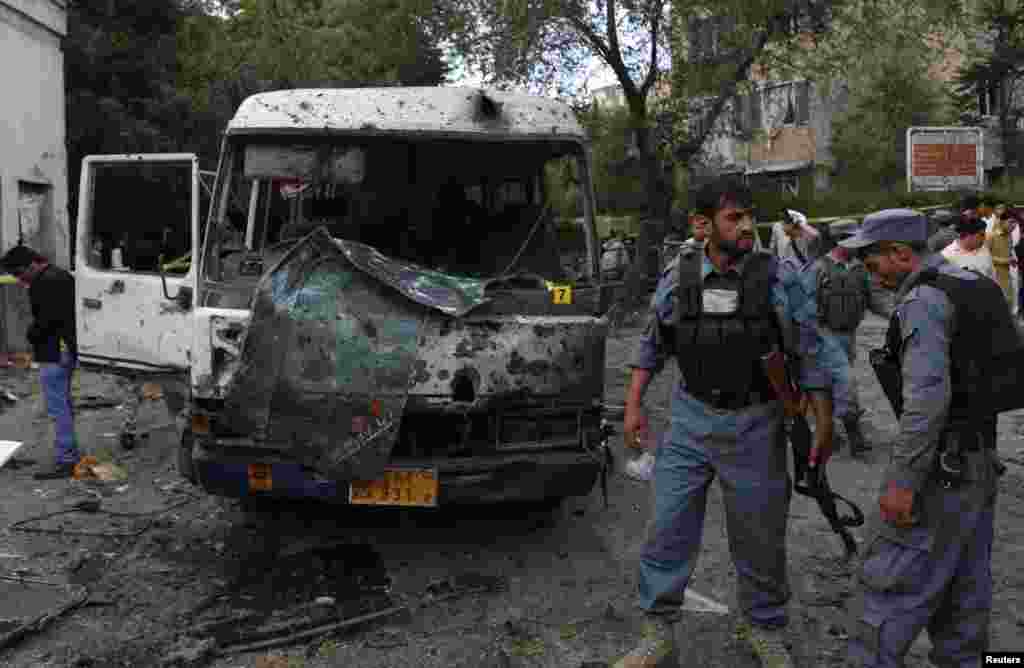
(381, 307)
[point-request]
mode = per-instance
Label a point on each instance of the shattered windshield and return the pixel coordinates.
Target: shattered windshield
(476, 209)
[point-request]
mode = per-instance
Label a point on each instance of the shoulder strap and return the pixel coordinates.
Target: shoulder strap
(759, 276)
(689, 303)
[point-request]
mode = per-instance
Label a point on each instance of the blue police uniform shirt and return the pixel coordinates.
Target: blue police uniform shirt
(926, 318)
(652, 350)
(801, 288)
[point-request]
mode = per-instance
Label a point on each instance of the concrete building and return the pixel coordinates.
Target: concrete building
(775, 135)
(779, 133)
(33, 160)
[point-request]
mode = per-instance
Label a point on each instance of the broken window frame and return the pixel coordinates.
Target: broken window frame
(226, 196)
(183, 233)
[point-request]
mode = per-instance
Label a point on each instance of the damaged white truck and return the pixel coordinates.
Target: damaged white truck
(380, 308)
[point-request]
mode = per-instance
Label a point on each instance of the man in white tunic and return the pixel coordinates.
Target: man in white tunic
(969, 251)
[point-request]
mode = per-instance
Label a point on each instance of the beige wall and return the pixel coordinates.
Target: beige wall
(784, 145)
(32, 132)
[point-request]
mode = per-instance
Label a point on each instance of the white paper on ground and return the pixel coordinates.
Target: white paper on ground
(7, 450)
(641, 468)
(696, 602)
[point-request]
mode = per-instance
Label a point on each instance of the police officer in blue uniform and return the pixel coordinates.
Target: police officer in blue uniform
(717, 309)
(928, 559)
(829, 298)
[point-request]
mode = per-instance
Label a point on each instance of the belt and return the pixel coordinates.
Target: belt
(730, 401)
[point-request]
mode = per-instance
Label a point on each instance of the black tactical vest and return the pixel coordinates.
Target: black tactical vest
(720, 354)
(985, 341)
(842, 296)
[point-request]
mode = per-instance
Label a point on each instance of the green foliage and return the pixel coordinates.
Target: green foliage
(307, 42)
(120, 83)
(618, 183)
(888, 95)
(167, 75)
(860, 201)
(823, 40)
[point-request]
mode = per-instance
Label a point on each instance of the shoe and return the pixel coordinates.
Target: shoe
(58, 472)
(656, 649)
(768, 645)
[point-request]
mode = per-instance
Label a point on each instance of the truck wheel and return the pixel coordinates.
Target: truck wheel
(186, 466)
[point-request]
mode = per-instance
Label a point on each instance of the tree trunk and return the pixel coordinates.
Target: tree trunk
(652, 228)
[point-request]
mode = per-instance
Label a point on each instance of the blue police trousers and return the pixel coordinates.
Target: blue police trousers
(744, 449)
(937, 578)
(55, 379)
(831, 368)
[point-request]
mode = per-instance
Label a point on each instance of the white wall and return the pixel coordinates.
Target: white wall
(32, 133)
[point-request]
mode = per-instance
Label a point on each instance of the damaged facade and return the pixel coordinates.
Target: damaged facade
(33, 172)
(778, 134)
(382, 296)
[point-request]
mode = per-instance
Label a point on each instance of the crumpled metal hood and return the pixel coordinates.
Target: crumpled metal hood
(340, 335)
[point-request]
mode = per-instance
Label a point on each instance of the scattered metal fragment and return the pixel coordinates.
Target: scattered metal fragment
(40, 622)
(442, 590)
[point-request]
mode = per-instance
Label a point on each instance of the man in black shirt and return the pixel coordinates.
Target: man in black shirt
(51, 292)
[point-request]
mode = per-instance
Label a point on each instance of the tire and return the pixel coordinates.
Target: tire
(186, 465)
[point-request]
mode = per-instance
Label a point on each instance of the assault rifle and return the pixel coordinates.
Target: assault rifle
(808, 480)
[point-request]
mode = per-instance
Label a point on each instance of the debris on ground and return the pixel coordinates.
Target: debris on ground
(7, 450)
(152, 391)
(90, 468)
(188, 652)
(697, 602)
(93, 402)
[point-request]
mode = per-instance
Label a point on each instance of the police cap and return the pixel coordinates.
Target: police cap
(889, 225)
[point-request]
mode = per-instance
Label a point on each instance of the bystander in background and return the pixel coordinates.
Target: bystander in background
(1001, 236)
(969, 251)
(52, 335)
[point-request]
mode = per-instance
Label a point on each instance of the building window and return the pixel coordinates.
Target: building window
(707, 38)
(120, 238)
(35, 211)
(789, 184)
(785, 105)
(988, 100)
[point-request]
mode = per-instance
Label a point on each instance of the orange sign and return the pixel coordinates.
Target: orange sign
(944, 160)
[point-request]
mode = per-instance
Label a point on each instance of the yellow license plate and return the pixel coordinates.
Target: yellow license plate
(397, 487)
(260, 478)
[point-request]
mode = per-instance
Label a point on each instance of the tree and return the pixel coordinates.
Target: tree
(229, 51)
(120, 82)
(535, 42)
(891, 93)
(618, 188)
(993, 72)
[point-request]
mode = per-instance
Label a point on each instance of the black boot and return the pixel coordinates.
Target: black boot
(854, 435)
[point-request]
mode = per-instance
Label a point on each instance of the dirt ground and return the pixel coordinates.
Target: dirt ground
(162, 575)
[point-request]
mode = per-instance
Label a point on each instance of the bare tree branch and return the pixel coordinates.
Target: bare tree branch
(652, 73)
(726, 92)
